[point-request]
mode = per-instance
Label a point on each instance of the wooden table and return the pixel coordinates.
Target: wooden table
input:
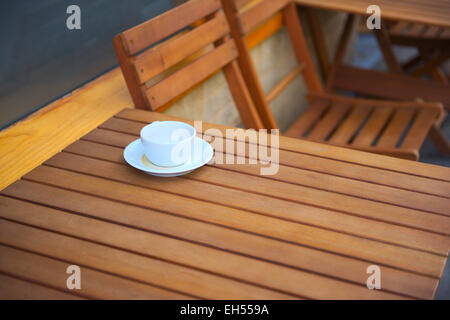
(223, 231)
(434, 12)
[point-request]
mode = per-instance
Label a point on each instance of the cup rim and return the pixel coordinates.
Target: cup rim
(168, 143)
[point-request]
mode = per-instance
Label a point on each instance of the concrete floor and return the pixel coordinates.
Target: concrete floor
(367, 55)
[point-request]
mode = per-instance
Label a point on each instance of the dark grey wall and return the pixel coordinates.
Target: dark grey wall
(41, 60)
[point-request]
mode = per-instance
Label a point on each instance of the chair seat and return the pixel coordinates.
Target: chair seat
(410, 29)
(392, 128)
(417, 34)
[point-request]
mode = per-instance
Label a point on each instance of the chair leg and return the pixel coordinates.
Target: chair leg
(437, 137)
(384, 42)
(413, 62)
(434, 61)
(318, 40)
(340, 52)
(440, 76)
(439, 140)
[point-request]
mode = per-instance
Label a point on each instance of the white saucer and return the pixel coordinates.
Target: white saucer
(134, 156)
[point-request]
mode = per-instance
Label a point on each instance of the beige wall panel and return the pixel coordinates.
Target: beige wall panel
(273, 59)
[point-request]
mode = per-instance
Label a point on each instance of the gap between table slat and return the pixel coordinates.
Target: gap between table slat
(291, 231)
(15, 288)
(317, 163)
(94, 284)
(130, 264)
(220, 237)
(187, 254)
(443, 220)
(438, 205)
(317, 150)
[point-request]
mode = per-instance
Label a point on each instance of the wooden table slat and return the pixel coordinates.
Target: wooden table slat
(286, 191)
(191, 255)
(287, 159)
(225, 238)
(274, 207)
(94, 284)
(17, 289)
(129, 265)
(334, 241)
(366, 159)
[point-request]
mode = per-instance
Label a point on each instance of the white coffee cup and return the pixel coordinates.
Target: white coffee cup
(168, 143)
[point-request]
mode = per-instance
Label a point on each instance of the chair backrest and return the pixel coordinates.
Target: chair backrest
(156, 57)
(246, 15)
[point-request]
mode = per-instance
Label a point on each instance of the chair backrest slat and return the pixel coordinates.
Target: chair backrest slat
(165, 57)
(164, 91)
(242, 22)
(300, 47)
(239, 4)
(150, 64)
(260, 12)
(166, 24)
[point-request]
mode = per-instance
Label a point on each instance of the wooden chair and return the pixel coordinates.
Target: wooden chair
(385, 127)
(395, 84)
(432, 43)
(156, 57)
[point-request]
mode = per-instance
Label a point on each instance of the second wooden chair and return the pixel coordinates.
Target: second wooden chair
(385, 127)
(431, 42)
